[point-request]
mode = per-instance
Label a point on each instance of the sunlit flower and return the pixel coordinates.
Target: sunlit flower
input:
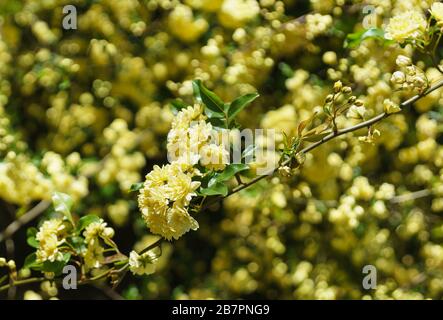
(437, 11)
(407, 25)
(143, 264)
(166, 192)
(49, 239)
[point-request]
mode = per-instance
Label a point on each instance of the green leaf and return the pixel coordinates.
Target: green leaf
(30, 261)
(240, 103)
(86, 221)
(32, 241)
(218, 188)
(56, 266)
(196, 90)
(136, 186)
(63, 204)
(132, 293)
(108, 191)
(354, 39)
(66, 84)
(78, 243)
(217, 122)
(31, 232)
(306, 124)
(211, 100)
(286, 69)
(230, 171)
(177, 105)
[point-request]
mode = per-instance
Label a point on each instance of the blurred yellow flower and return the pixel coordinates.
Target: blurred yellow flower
(407, 25)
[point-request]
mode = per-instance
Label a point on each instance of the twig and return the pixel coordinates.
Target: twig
(24, 219)
(21, 282)
(411, 196)
(10, 249)
(109, 292)
(329, 137)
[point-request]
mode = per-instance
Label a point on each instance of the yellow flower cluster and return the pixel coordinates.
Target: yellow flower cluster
(93, 233)
(87, 111)
(192, 139)
(410, 24)
(166, 192)
(184, 26)
(22, 182)
(410, 76)
(50, 237)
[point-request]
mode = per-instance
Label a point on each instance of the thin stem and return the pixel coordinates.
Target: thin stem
(238, 178)
(152, 246)
(21, 282)
(411, 196)
(15, 283)
(24, 219)
(329, 137)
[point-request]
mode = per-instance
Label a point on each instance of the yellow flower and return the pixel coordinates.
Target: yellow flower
(398, 77)
(94, 255)
(48, 239)
(205, 5)
(403, 61)
(142, 264)
(97, 229)
(236, 13)
(172, 223)
(356, 112)
(214, 157)
(163, 200)
(390, 107)
(183, 25)
(437, 11)
(94, 252)
(407, 25)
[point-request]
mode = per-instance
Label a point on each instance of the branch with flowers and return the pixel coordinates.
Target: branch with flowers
(170, 193)
(199, 177)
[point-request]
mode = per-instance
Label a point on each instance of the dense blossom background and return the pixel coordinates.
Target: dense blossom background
(87, 111)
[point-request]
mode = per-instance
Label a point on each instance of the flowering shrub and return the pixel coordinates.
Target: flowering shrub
(124, 147)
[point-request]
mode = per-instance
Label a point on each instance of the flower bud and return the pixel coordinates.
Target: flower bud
(390, 107)
(419, 82)
(11, 264)
(108, 232)
(356, 112)
(398, 77)
(24, 273)
(338, 86)
(285, 171)
(2, 262)
(403, 61)
(358, 103)
(411, 70)
(300, 157)
(346, 90)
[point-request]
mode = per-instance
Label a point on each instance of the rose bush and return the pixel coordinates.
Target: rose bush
(91, 121)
